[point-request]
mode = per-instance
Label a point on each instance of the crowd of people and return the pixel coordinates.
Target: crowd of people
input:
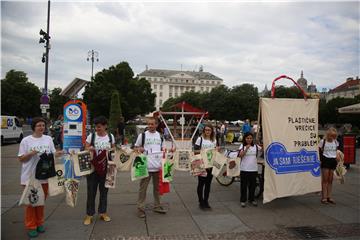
(151, 142)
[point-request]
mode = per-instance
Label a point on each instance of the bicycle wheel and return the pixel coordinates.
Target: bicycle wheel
(223, 179)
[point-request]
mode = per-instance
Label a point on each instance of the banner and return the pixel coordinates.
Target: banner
(290, 136)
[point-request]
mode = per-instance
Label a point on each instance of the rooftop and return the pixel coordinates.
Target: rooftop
(169, 73)
(350, 83)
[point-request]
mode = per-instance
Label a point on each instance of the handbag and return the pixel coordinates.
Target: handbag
(56, 184)
(100, 162)
(82, 163)
(45, 168)
(33, 194)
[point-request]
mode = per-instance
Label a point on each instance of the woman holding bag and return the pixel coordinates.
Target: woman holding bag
(31, 147)
(206, 141)
(98, 142)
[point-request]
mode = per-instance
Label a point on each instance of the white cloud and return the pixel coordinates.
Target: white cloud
(239, 42)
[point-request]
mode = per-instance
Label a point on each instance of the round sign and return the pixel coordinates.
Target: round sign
(73, 112)
(44, 99)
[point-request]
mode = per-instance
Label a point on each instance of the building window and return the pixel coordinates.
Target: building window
(160, 102)
(201, 89)
(155, 86)
(160, 87)
(187, 81)
(160, 94)
(176, 94)
(170, 94)
(207, 89)
(207, 82)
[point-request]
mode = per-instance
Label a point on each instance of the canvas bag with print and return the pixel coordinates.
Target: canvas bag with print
(33, 193)
(168, 167)
(139, 167)
(123, 158)
(56, 184)
(208, 156)
(218, 163)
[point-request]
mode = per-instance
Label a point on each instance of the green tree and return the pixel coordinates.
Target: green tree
(19, 97)
(286, 92)
(135, 94)
(243, 103)
(115, 112)
(57, 102)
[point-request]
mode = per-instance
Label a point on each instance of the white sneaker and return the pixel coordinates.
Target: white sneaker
(243, 204)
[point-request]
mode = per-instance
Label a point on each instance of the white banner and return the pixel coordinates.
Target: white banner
(290, 135)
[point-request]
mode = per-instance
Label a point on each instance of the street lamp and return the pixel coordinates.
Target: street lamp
(92, 56)
(45, 38)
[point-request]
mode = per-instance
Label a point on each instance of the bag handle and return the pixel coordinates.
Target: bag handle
(284, 76)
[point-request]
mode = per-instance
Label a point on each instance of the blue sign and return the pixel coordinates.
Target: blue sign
(73, 113)
(284, 162)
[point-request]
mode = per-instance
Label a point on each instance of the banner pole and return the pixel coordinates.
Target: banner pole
(258, 123)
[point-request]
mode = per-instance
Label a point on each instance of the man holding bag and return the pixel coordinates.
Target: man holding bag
(31, 147)
(150, 144)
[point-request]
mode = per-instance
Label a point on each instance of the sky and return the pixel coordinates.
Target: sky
(240, 42)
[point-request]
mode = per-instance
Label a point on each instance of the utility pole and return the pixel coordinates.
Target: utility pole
(92, 56)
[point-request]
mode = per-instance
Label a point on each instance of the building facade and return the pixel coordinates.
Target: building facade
(348, 89)
(171, 83)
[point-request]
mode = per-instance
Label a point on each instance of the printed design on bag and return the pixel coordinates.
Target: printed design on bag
(72, 186)
(184, 159)
(124, 157)
(209, 155)
(168, 168)
(216, 165)
(110, 175)
(140, 166)
(232, 164)
(84, 162)
(284, 162)
(33, 196)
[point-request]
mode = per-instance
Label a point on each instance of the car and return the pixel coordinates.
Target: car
(11, 129)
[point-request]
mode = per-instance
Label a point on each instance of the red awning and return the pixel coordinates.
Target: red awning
(188, 110)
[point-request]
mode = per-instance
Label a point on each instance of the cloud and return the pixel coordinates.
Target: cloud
(239, 42)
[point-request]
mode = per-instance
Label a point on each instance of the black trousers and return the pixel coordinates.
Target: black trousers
(247, 181)
(203, 187)
(93, 181)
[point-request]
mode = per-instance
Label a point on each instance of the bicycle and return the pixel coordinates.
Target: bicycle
(226, 181)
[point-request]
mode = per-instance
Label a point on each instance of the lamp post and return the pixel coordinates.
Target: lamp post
(45, 38)
(92, 56)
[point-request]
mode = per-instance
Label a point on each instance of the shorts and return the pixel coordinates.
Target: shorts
(329, 163)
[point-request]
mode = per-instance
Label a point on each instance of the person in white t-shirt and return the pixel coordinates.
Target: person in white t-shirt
(248, 152)
(150, 143)
(100, 143)
(31, 147)
(206, 141)
(328, 157)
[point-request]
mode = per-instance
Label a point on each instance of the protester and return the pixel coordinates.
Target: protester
(205, 141)
(31, 147)
(120, 131)
(99, 143)
(328, 157)
(150, 143)
(248, 169)
(246, 127)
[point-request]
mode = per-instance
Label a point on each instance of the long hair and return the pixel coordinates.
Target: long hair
(331, 130)
(212, 135)
(244, 139)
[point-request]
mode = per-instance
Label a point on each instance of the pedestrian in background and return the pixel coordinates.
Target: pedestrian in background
(328, 157)
(246, 127)
(31, 147)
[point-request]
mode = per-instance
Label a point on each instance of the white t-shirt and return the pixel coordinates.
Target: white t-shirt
(206, 143)
(329, 148)
(249, 161)
(101, 142)
(152, 146)
(28, 144)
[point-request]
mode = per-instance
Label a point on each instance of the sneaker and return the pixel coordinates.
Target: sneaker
(160, 209)
(201, 206)
(243, 204)
(33, 233)
(254, 203)
(105, 217)
(40, 229)
(141, 213)
(88, 220)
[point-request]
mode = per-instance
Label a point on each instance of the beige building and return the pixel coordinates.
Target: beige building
(173, 83)
(348, 89)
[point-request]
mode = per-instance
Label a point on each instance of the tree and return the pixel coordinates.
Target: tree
(286, 92)
(135, 94)
(19, 97)
(115, 112)
(57, 102)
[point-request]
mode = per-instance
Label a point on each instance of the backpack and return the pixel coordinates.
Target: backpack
(93, 135)
(45, 168)
(196, 147)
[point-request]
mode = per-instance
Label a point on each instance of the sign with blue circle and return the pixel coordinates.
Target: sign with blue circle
(73, 113)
